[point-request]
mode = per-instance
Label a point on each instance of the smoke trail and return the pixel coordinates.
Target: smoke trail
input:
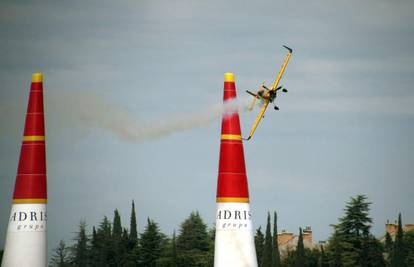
(96, 112)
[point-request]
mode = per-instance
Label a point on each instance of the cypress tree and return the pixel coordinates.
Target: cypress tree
(133, 233)
(300, 259)
(276, 252)
(116, 238)
(117, 227)
(398, 256)
(267, 255)
(259, 244)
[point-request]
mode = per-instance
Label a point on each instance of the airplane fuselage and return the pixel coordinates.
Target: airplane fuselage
(268, 95)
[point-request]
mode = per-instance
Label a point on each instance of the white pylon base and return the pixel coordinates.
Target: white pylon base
(26, 237)
(234, 245)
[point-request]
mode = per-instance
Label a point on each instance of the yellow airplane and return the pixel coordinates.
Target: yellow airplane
(268, 95)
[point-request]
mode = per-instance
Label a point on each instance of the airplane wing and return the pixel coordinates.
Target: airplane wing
(258, 118)
(279, 76)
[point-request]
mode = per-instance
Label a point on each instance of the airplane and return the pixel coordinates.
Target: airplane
(268, 95)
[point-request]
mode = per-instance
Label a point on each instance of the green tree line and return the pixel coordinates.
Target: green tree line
(111, 244)
(351, 244)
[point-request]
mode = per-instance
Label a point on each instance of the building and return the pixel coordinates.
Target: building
(288, 241)
(391, 228)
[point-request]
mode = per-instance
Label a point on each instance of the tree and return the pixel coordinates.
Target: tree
(133, 233)
(165, 259)
(174, 257)
(409, 246)
(259, 244)
(276, 252)
(267, 255)
(352, 244)
(132, 247)
(117, 248)
(94, 254)
(132, 258)
(193, 242)
(123, 256)
(374, 251)
(301, 257)
(60, 257)
(290, 259)
(323, 260)
(300, 260)
(313, 257)
(334, 249)
(102, 249)
(117, 227)
(150, 245)
(211, 243)
(388, 248)
(80, 255)
(399, 254)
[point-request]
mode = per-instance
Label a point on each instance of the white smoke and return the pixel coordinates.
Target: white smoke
(94, 111)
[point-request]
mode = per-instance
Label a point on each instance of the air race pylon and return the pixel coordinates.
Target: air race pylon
(234, 245)
(26, 234)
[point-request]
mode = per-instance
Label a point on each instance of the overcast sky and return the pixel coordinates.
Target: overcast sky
(117, 70)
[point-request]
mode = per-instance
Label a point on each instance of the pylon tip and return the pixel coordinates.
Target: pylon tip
(37, 77)
(229, 77)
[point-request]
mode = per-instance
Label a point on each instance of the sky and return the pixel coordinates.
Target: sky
(131, 96)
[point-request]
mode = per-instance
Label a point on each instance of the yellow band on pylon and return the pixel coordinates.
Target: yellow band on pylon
(231, 137)
(30, 201)
(233, 199)
(228, 77)
(34, 138)
(37, 77)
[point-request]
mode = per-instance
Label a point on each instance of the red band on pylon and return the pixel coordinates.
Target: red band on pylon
(232, 178)
(30, 183)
